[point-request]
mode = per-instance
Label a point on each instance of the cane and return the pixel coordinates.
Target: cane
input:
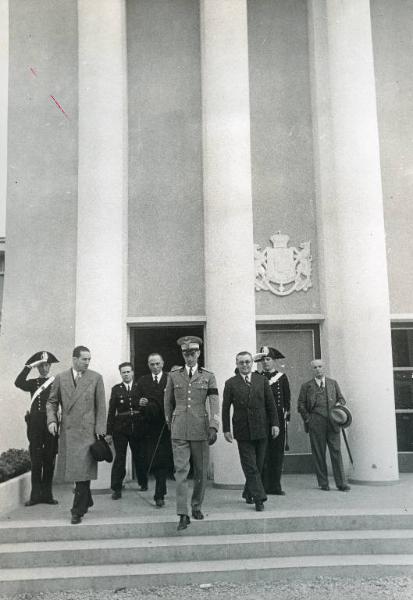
(287, 445)
(155, 451)
(348, 447)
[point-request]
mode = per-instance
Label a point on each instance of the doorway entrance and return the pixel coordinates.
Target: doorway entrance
(162, 339)
(300, 344)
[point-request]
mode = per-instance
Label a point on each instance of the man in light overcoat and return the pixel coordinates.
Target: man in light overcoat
(188, 392)
(81, 395)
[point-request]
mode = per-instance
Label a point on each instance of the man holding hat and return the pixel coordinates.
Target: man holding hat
(280, 388)
(42, 445)
(318, 398)
(188, 390)
(80, 394)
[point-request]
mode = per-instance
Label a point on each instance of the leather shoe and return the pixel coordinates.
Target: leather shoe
(249, 499)
(184, 521)
(31, 502)
(76, 519)
(143, 488)
(279, 493)
(259, 506)
(116, 495)
(344, 488)
(160, 502)
(197, 514)
(325, 488)
(50, 501)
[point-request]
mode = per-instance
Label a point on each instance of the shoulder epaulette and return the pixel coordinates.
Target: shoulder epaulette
(204, 369)
(176, 368)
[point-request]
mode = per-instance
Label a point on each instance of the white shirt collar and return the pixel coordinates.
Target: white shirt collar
(194, 369)
(159, 375)
(320, 381)
(76, 374)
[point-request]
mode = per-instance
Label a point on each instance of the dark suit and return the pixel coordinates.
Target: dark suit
(42, 444)
(158, 438)
(274, 458)
(254, 413)
(127, 425)
(314, 405)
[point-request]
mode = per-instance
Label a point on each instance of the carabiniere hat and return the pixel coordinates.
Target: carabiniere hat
(44, 356)
(267, 351)
(100, 450)
(340, 415)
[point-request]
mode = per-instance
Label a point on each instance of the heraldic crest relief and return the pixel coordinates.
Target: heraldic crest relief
(283, 269)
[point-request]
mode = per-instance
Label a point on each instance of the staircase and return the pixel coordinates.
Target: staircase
(240, 547)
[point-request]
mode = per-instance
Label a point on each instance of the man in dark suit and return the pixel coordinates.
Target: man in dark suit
(158, 439)
(126, 425)
(254, 413)
(42, 444)
(80, 394)
(317, 397)
(280, 388)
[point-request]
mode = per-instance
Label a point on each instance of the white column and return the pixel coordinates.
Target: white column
(351, 230)
(4, 97)
(229, 268)
(102, 199)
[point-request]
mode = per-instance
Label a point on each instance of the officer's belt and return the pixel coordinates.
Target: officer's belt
(129, 412)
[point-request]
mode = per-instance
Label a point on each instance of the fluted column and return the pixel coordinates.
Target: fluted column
(351, 232)
(229, 269)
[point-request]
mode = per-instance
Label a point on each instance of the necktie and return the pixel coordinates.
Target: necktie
(77, 378)
(190, 372)
(155, 379)
(247, 380)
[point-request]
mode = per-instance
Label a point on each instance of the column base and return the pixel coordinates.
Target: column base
(377, 483)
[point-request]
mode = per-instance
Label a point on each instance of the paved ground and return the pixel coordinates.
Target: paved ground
(302, 495)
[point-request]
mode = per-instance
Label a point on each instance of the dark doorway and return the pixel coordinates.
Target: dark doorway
(162, 339)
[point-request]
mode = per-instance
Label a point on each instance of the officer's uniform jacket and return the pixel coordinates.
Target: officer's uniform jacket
(254, 407)
(124, 413)
(186, 401)
(281, 392)
(32, 385)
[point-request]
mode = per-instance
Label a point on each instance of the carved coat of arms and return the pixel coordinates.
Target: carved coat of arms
(283, 269)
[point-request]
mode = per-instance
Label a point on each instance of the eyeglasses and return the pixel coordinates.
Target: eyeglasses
(244, 362)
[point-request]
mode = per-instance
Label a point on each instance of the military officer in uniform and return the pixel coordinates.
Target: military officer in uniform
(188, 390)
(273, 464)
(126, 426)
(42, 444)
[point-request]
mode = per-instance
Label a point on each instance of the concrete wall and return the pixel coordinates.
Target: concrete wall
(393, 50)
(39, 294)
(166, 273)
(281, 138)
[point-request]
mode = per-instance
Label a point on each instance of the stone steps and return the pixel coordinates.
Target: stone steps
(147, 551)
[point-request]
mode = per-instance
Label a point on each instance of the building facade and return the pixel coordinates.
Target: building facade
(237, 169)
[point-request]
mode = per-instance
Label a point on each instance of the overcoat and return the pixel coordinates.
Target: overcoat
(307, 398)
(83, 412)
(186, 401)
(253, 405)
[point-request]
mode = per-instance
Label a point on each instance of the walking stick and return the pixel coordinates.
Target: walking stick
(156, 449)
(347, 446)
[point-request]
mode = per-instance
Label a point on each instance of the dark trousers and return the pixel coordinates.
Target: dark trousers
(160, 474)
(42, 449)
(137, 446)
(274, 460)
(252, 456)
(82, 499)
(323, 434)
